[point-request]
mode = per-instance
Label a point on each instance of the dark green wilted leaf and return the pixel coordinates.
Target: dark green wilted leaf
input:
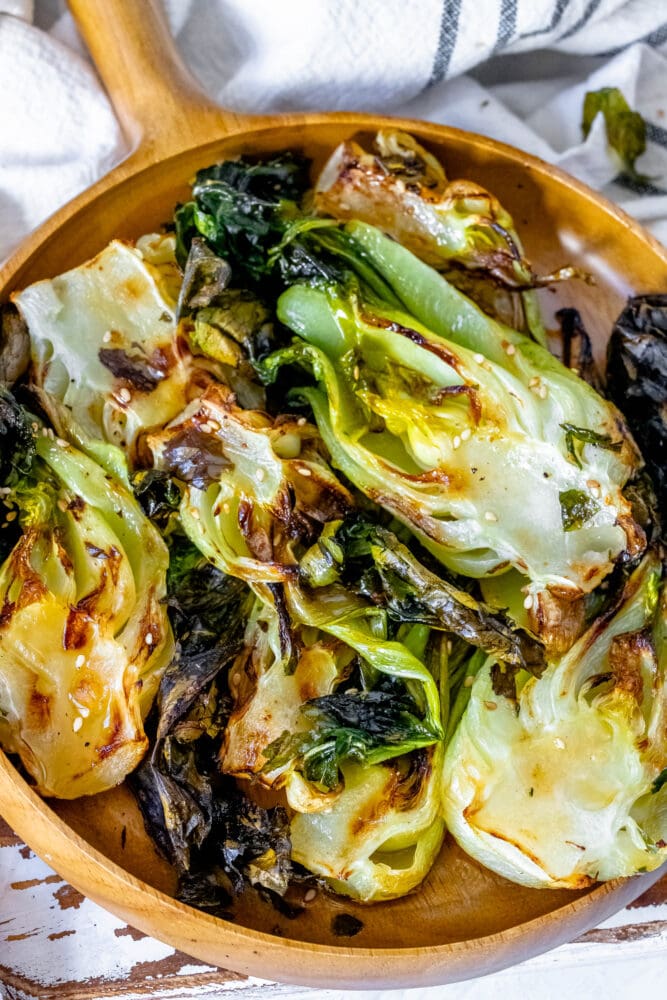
(362, 726)
(637, 381)
(158, 495)
(217, 839)
(242, 209)
(586, 436)
(372, 560)
(205, 277)
(659, 781)
(17, 444)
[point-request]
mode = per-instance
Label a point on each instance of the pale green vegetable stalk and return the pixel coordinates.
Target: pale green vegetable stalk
(104, 346)
(566, 786)
(84, 635)
(403, 189)
(491, 451)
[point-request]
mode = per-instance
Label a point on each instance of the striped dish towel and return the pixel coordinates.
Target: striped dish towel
(513, 69)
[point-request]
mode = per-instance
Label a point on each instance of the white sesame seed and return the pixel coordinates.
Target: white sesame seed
(543, 392)
(301, 422)
(574, 369)
(534, 381)
(305, 471)
(465, 434)
(148, 638)
(310, 895)
(76, 725)
(592, 484)
(124, 395)
(62, 505)
(51, 433)
(106, 339)
(528, 602)
(491, 705)
(490, 516)
(511, 349)
(356, 373)
(225, 508)
(478, 358)
(11, 516)
(61, 442)
(194, 513)
(559, 743)
(235, 679)
(259, 475)
(80, 660)
(456, 443)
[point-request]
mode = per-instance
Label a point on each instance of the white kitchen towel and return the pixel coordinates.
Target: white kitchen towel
(58, 132)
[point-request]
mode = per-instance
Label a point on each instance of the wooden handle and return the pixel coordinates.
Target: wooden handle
(160, 105)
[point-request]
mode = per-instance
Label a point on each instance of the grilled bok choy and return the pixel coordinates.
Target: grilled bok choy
(253, 485)
(446, 424)
(566, 784)
(353, 734)
(103, 343)
(322, 494)
(84, 635)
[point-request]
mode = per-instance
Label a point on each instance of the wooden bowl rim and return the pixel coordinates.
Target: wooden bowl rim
(15, 790)
(139, 161)
(62, 829)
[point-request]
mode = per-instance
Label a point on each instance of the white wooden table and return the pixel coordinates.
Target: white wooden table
(56, 945)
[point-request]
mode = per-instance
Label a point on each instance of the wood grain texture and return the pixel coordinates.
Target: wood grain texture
(74, 939)
(464, 921)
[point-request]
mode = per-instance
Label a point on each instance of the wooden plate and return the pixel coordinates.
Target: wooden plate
(464, 921)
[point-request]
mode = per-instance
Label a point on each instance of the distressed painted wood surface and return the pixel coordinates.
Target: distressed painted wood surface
(54, 943)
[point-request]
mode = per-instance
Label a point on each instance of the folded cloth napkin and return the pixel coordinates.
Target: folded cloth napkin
(58, 132)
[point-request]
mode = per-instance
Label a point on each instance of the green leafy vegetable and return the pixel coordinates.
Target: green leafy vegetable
(255, 488)
(625, 128)
(366, 727)
(556, 790)
(205, 277)
(637, 381)
(587, 436)
(234, 329)
(400, 187)
(371, 560)
(217, 839)
(427, 424)
(18, 440)
(241, 208)
(104, 352)
(576, 509)
(158, 495)
(84, 636)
